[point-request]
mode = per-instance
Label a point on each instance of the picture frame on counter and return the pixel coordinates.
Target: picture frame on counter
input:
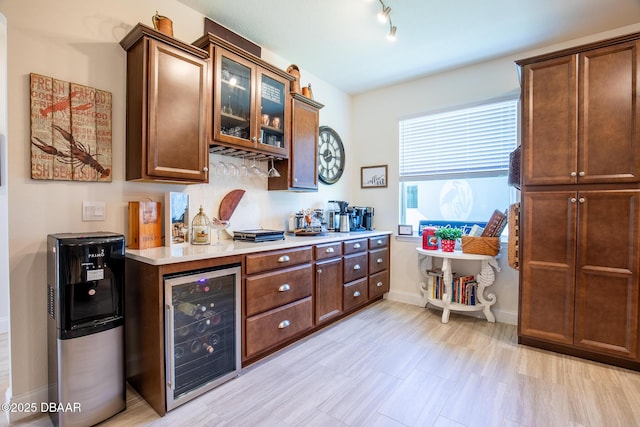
(176, 219)
(405, 230)
(373, 176)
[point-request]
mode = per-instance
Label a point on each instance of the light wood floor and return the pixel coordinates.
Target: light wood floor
(397, 365)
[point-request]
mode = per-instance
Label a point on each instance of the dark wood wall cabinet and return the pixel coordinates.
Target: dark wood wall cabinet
(167, 108)
(286, 294)
(251, 102)
(300, 171)
(580, 210)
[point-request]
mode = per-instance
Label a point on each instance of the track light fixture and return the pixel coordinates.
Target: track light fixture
(384, 16)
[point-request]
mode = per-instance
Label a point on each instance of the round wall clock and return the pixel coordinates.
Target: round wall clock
(330, 156)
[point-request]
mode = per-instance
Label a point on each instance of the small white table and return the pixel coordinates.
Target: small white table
(485, 278)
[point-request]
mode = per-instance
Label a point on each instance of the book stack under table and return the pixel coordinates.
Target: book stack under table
(465, 293)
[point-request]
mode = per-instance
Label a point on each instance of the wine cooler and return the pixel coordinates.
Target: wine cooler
(202, 332)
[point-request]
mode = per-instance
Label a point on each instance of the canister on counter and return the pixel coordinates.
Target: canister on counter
(429, 239)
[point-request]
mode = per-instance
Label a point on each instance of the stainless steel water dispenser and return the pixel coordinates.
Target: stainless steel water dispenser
(85, 295)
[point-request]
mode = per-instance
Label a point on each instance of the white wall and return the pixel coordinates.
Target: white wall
(4, 194)
(78, 41)
(375, 116)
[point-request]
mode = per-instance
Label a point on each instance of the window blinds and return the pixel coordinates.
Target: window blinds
(463, 143)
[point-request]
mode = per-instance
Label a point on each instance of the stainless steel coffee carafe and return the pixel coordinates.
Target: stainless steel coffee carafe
(343, 216)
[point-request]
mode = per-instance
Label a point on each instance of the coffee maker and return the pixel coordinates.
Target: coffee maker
(367, 220)
(343, 216)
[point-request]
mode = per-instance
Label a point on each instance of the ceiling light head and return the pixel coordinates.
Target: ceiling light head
(392, 33)
(383, 16)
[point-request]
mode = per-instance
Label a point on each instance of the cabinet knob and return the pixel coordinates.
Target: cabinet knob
(330, 250)
(573, 200)
(356, 246)
(572, 174)
(205, 169)
(260, 140)
(284, 288)
(379, 242)
(356, 267)
(284, 258)
(284, 324)
(379, 284)
(356, 294)
(319, 270)
(379, 260)
(254, 139)
(581, 173)
(581, 199)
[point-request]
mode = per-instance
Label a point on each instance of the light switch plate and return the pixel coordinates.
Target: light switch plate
(93, 211)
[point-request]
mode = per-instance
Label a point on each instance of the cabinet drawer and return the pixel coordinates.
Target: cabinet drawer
(257, 263)
(354, 294)
(355, 267)
(378, 260)
(328, 250)
(354, 246)
(273, 327)
(378, 284)
(378, 242)
(270, 290)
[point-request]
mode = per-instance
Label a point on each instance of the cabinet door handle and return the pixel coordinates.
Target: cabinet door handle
(330, 250)
(205, 169)
(379, 242)
(260, 140)
(284, 324)
(581, 173)
(284, 288)
(356, 267)
(379, 284)
(573, 200)
(319, 270)
(254, 139)
(379, 260)
(581, 199)
(572, 174)
(356, 294)
(284, 258)
(356, 246)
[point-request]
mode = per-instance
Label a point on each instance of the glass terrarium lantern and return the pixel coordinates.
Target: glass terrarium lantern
(201, 229)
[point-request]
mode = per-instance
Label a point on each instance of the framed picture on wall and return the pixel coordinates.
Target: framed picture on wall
(373, 176)
(176, 218)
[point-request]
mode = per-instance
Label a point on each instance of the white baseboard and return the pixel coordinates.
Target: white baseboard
(26, 400)
(4, 325)
(415, 299)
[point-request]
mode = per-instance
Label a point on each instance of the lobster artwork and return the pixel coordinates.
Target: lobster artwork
(77, 155)
(71, 131)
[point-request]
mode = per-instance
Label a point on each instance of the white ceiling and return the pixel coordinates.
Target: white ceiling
(341, 41)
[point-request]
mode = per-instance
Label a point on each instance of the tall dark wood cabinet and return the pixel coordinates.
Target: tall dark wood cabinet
(580, 210)
(167, 108)
(300, 171)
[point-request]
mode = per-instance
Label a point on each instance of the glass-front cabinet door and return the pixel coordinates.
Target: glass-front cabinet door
(250, 105)
(273, 113)
(234, 104)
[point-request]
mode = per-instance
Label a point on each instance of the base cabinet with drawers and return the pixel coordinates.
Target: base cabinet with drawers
(286, 294)
(277, 297)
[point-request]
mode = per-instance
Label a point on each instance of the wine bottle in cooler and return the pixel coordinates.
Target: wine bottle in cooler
(190, 309)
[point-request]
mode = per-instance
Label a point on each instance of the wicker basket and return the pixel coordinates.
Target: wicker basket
(481, 245)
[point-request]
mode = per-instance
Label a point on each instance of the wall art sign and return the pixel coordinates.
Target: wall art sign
(373, 176)
(70, 131)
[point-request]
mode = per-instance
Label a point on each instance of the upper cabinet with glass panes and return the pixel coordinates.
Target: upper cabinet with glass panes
(250, 99)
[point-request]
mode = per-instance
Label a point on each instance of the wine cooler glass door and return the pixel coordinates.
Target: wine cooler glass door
(202, 325)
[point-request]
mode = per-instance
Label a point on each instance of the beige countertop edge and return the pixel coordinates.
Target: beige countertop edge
(169, 255)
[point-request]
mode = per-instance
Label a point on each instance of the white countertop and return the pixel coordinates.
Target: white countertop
(187, 252)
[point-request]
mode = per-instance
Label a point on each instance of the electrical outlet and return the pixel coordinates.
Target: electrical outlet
(93, 211)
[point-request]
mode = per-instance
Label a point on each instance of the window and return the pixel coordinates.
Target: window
(454, 164)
